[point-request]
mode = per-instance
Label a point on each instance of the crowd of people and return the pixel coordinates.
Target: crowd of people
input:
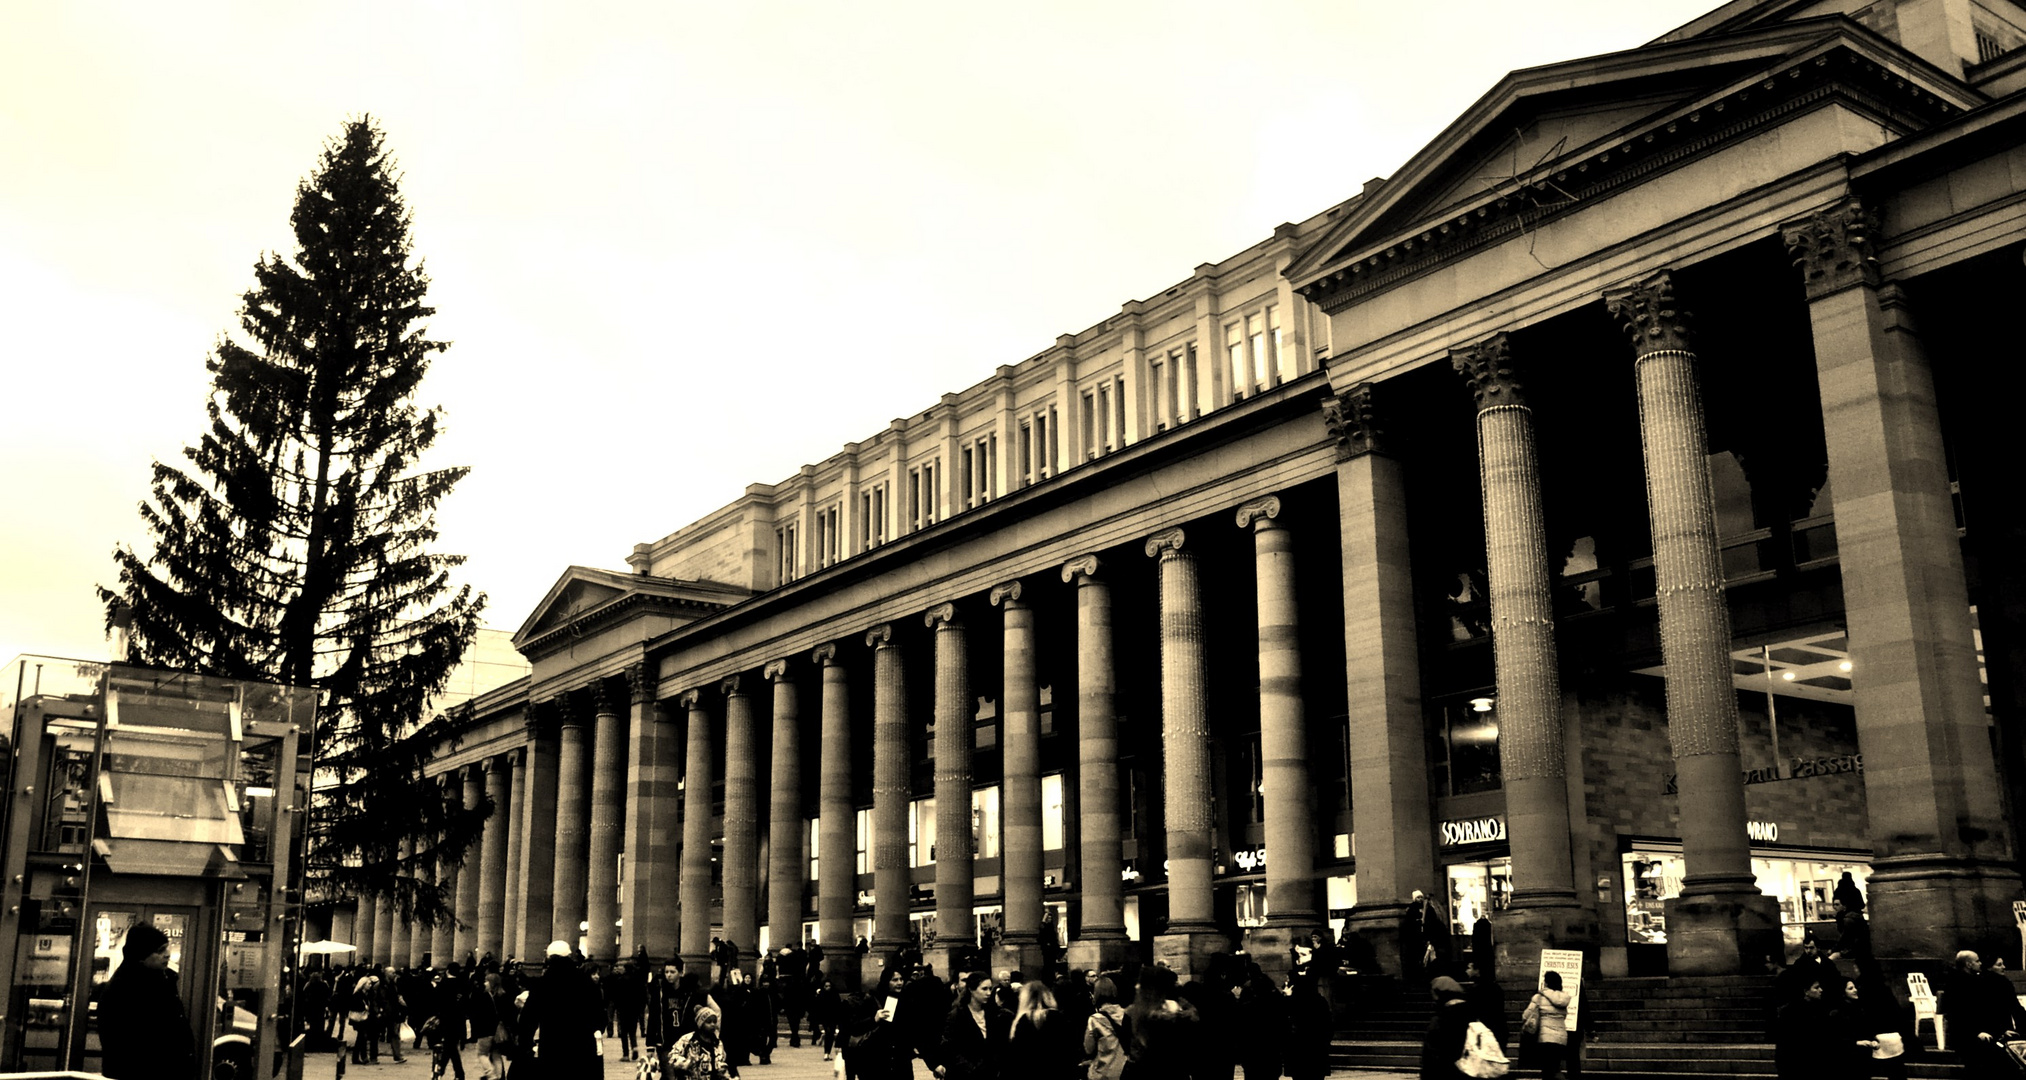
(1135, 1021)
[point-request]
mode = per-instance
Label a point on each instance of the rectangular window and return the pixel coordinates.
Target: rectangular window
(1192, 398)
(967, 463)
(1255, 330)
(1026, 453)
(932, 491)
(829, 535)
(991, 455)
(1051, 812)
(864, 826)
(809, 831)
(1255, 769)
(921, 832)
(985, 822)
(1089, 424)
(1157, 385)
(1234, 348)
(1053, 442)
(914, 499)
(1280, 372)
(788, 563)
(1104, 441)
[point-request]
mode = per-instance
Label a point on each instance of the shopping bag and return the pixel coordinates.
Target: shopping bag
(1482, 1056)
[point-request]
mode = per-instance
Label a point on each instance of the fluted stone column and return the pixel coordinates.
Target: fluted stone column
(890, 795)
(1291, 909)
(607, 764)
(1387, 731)
(1943, 874)
(1544, 911)
(649, 892)
(365, 910)
(443, 933)
(742, 823)
(1721, 924)
(492, 857)
(510, 917)
(538, 836)
(1020, 856)
(955, 923)
(393, 949)
(567, 910)
(464, 936)
(1100, 943)
(786, 869)
(664, 915)
(1192, 934)
(836, 825)
(697, 776)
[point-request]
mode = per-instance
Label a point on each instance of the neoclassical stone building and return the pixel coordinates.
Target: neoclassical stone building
(1598, 525)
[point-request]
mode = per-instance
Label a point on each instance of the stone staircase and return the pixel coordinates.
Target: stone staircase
(1634, 1029)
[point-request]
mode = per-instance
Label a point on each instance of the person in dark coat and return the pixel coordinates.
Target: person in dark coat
(1804, 1044)
(312, 1008)
(1443, 1043)
(794, 987)
(874, 1046)
(560, 1022)
(733, 998)
(923, 1005)
(824, 1009)
(141, 1022)
(1809, 967)
(974, 1033)
(1310, 1030)
(446, 1025)
(1262, 1018)
(1214, 1056)
(1160, 1031)
(628, 993)
(763, 1021)
(1487, 1001)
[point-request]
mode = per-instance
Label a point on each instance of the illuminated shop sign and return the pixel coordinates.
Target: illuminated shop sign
(1249, 859)
(1482, 830)
(1764, 832)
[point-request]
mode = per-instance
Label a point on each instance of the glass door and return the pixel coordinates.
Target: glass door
(106, 936)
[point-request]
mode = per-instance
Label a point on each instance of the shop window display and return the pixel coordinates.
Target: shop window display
(1802, 884)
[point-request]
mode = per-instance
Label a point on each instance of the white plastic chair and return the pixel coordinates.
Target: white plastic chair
(1924, 1008)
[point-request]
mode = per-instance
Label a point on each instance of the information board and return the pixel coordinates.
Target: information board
(1569, 962)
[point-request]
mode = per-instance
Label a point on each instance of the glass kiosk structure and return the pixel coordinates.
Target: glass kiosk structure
(137, 795)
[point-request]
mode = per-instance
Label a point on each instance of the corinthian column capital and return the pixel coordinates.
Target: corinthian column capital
(1487, 368)
(1649, 315)
(1832, 247)
(1262, 511)
(640, 680)
(1083, 566)
(1165, 545)
(1352, 423)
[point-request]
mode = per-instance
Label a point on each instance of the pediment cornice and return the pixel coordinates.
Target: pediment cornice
(1795, 67)
(619, 597)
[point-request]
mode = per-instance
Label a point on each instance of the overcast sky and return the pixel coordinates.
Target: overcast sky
(680, 248)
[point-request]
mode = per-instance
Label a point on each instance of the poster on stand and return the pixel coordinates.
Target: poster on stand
(1569, 962)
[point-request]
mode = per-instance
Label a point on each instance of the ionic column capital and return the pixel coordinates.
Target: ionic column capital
(1007, 595)
(1487, 368)
(1353, 423)
(1082, 570)
(942, 616)
(775, 671)
(1165, 545)
(1832, 247)
(1647, 312)
(880, 637)
(1260, 512)
(640, 682)
(691, 699)
(517, 757)
(824, 655)
(732, 687)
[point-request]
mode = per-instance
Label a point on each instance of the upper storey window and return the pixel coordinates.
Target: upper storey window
(1253, 347)
(829, 535)
(922, 497)
(788, 556)
(872, 517)
(981, 471)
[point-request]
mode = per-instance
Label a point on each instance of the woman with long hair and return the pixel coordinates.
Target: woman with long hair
(1102, 1045)
(1040, 1043)
(975, 1033)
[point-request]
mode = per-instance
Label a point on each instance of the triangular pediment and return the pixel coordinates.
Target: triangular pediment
(584, 597)
(1541, 134)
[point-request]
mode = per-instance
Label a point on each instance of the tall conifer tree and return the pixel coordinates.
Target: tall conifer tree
(292, 543)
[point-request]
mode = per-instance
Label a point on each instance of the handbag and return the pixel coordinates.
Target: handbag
(1890, 1045)
(1530, 1020)
(1482, 1056)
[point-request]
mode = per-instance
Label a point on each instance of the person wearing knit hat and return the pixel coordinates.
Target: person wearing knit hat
(1444, 1041)
(141, 1020)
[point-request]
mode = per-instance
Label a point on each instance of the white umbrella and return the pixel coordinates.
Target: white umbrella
(326, 948)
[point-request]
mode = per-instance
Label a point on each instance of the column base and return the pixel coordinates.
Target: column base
(1371, 941)
(1519, 935)
(1099, 954)
(1024, 957)
(1188, 953)
(1272, 947)
(1932, 906)
(1723, 934)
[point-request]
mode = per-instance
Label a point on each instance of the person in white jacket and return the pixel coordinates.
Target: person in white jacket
(1551, 1004)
